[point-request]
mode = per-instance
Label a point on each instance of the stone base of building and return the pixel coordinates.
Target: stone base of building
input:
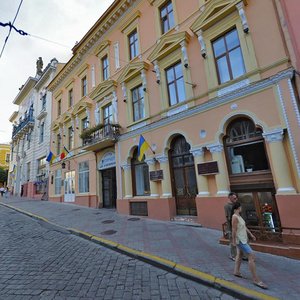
(88, 201)
(155, 208)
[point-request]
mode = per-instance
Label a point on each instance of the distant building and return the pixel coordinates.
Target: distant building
(4, 156)
(31, 134)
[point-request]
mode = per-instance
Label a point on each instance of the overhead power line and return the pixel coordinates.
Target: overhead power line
(10, 28)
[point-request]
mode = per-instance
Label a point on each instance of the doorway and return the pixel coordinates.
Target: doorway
(69, 187)
(184, 183)
(109, 188)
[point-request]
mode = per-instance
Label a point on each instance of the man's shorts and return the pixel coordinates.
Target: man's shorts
(245, 248)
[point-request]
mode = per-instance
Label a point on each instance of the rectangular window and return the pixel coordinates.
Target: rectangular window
(83, 86)
(70, 138)
(7, 157)
(42, 131)
(133, 44)
(138, 106)
(228, 56)
(142, 183)
(70, 96)
(28, 171)
(57, 182)
(44, 101)
(58, 144)
(59, 107)
(107, 114)
(105, 68)
(41, 170)
(117, 55)
(167, 17)
(84, 123)
(175, 83)
(83, 177)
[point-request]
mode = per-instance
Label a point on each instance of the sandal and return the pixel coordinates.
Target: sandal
(239, 275)
(261, 285)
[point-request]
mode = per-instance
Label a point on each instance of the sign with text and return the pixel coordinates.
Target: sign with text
(156, 175)
(208, 168)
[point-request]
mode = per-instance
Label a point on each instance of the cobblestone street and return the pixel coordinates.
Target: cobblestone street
(41, 261)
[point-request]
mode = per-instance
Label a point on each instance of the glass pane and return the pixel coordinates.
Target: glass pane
(223, 69)
(232, 40)
(146, 179)
(181, 90)
(178, 71)
(237, 63)
(219, 47)
(248, 209)
(172, 94)
(139, 180)
(170, 75)
(191, 181)
(268, 210)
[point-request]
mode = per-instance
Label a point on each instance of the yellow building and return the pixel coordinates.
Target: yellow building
(205, 86)
(4, 156)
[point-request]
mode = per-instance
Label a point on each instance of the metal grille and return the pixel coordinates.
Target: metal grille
(139, 208)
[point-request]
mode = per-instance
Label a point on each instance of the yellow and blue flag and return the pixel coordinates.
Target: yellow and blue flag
(143, 146)
(50, 157)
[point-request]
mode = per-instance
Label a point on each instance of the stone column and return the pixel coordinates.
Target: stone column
(153, 184)
(222, 177)
(166, 182)
(127, 180)
(277, 155)
(201, 180)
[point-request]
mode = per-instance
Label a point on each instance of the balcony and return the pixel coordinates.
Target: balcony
(24, 126)
(100, 137)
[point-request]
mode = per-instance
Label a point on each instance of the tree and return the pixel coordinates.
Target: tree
(3, 175)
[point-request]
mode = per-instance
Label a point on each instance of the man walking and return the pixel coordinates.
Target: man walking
(232, 197)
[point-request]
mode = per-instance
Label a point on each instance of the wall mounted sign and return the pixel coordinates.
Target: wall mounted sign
(108, 161)
(156, 175)
(208, 168)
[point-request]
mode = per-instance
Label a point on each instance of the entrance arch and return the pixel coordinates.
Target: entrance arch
(184, 183)
(250, 174)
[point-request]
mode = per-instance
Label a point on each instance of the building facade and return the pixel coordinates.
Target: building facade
(4, 156)
(31, 134)
(210, 94)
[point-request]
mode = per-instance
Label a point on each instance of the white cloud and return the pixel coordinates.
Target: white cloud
(64, 22)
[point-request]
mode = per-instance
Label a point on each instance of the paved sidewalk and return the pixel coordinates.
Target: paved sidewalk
(189, 250)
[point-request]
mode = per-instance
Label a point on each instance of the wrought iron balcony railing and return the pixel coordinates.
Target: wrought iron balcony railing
(24, 125)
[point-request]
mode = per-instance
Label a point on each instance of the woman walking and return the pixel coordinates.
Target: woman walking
(240, 239)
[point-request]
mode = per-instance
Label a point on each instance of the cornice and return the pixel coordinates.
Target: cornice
(103, 89)
(212, 103)
(112, 15)
(26, 88)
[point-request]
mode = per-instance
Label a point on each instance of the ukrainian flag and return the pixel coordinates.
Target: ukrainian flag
(143, 146)
(50, 157)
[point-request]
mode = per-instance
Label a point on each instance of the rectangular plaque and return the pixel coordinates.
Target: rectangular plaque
(208, 168)
(156, 175)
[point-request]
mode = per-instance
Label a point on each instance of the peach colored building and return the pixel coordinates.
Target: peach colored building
(208, 84)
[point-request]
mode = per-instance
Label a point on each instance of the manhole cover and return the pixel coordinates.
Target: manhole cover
(133, 219)
(75, 209)
(97, 213)
(108, 221)
(108, 232)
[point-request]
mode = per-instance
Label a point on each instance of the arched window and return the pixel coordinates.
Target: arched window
(140, 176)
(245, 148)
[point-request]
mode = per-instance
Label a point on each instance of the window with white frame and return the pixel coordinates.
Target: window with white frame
(140, 176)
(105, 68)
(41, 170)
(133, 44)
(138, 106)
(166, 17)
(84, 123)
(42, 131)
(57, 182)
(107, 114)
(175, 84)
(28, 171)
(58, 144)
(228, 56)
(44, 97)
(70, 138)
(83, 177)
